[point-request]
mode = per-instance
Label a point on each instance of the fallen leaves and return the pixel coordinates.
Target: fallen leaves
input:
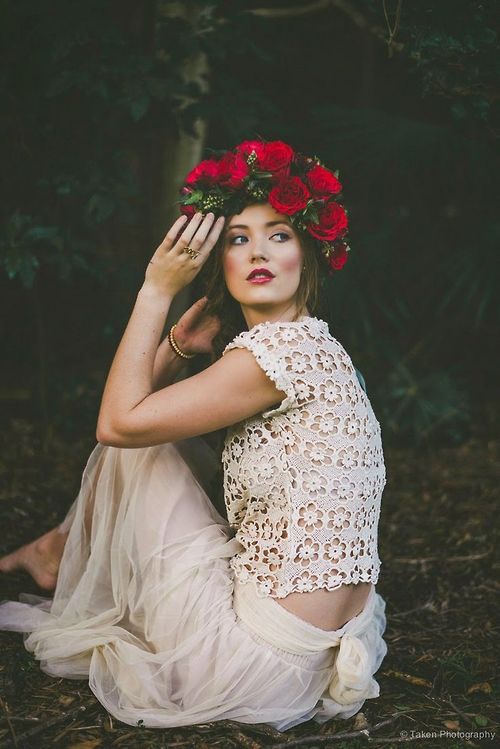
(86, 744)
(482, 686)
(416, 681)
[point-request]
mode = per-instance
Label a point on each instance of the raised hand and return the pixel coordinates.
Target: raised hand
(172, 268)
(195, 331)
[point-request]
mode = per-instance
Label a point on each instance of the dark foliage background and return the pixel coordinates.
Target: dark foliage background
(96, 99)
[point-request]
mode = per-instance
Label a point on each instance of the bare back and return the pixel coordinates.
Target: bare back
(328, 609)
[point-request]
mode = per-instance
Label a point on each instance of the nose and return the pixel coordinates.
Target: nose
(258, 251)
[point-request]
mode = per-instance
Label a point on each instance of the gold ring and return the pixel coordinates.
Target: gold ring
(191, 252)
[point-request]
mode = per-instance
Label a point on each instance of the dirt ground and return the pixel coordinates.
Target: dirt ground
(439, 681)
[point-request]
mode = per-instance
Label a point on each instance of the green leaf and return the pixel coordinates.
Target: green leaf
(100, 206)
(310, 213)
(195, 197)
(22, 264)
(139, 107)
(40, 233)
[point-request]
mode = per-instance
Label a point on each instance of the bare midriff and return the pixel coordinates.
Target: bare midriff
(328, 609)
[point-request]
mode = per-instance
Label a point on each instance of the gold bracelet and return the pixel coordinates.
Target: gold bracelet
(174, 345)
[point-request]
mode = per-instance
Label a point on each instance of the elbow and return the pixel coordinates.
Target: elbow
(105, 441)
(108, 437)
(112, 436)
(129, 432)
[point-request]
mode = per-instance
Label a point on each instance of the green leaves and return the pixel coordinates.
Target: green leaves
(310, 212)
(420, 407)
(21, 263)
(139, 106)
(474, 278)
(27, 245)
(195, 197)
(99, 98)
(17, 254)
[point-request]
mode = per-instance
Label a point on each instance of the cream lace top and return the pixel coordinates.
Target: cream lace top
(303, 481)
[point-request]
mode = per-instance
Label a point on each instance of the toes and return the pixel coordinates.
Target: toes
(9, 563)
(42, 569)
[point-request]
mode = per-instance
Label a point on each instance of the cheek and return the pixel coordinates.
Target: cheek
(291, 262)
(229, 264)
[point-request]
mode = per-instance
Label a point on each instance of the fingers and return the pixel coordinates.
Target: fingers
(201, 233)
(213, 236)
(173, 232)
(197, 223)
(195, 310)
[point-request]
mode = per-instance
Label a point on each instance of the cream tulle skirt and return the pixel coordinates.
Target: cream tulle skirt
(147, 608)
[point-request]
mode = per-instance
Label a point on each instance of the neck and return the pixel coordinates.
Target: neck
(287, 313)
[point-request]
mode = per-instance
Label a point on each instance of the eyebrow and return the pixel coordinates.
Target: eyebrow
(269, 223)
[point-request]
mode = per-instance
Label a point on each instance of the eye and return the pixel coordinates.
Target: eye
(235, 237)
(284, 236)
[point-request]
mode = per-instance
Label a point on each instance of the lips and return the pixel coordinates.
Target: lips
(260, 273)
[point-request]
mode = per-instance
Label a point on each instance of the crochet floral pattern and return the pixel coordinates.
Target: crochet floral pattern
(303, 481)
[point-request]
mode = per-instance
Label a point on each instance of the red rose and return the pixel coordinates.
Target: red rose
(332, 222)
(338, 258)
(233, 169)
(289, 196)
(276, 158)
(188, 210)
(206, 172)
(322, 182)
(248, 146)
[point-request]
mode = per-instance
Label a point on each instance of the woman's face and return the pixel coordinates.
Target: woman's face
(256, 239)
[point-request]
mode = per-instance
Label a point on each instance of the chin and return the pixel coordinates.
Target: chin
(257, 300)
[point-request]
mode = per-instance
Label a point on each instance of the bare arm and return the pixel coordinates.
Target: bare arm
(167, 365)
(230, 390)
(130, 378)
(194, 334)
(235, 387)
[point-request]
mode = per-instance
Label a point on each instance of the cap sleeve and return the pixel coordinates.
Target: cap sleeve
(269, 347)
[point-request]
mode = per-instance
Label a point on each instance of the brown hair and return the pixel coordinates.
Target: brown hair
(228, 310)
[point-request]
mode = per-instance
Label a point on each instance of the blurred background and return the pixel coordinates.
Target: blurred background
(107, 105)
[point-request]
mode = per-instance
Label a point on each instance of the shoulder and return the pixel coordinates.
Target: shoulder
(275, 335)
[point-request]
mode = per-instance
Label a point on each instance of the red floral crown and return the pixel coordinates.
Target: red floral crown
(296, 185)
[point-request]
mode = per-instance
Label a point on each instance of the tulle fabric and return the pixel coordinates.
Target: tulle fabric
(144, 608)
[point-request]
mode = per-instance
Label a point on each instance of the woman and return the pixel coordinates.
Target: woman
(175, 615)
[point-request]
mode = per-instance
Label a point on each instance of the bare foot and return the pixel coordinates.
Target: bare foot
(40, 558)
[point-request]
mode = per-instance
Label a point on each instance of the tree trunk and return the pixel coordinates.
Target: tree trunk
(180, 152)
